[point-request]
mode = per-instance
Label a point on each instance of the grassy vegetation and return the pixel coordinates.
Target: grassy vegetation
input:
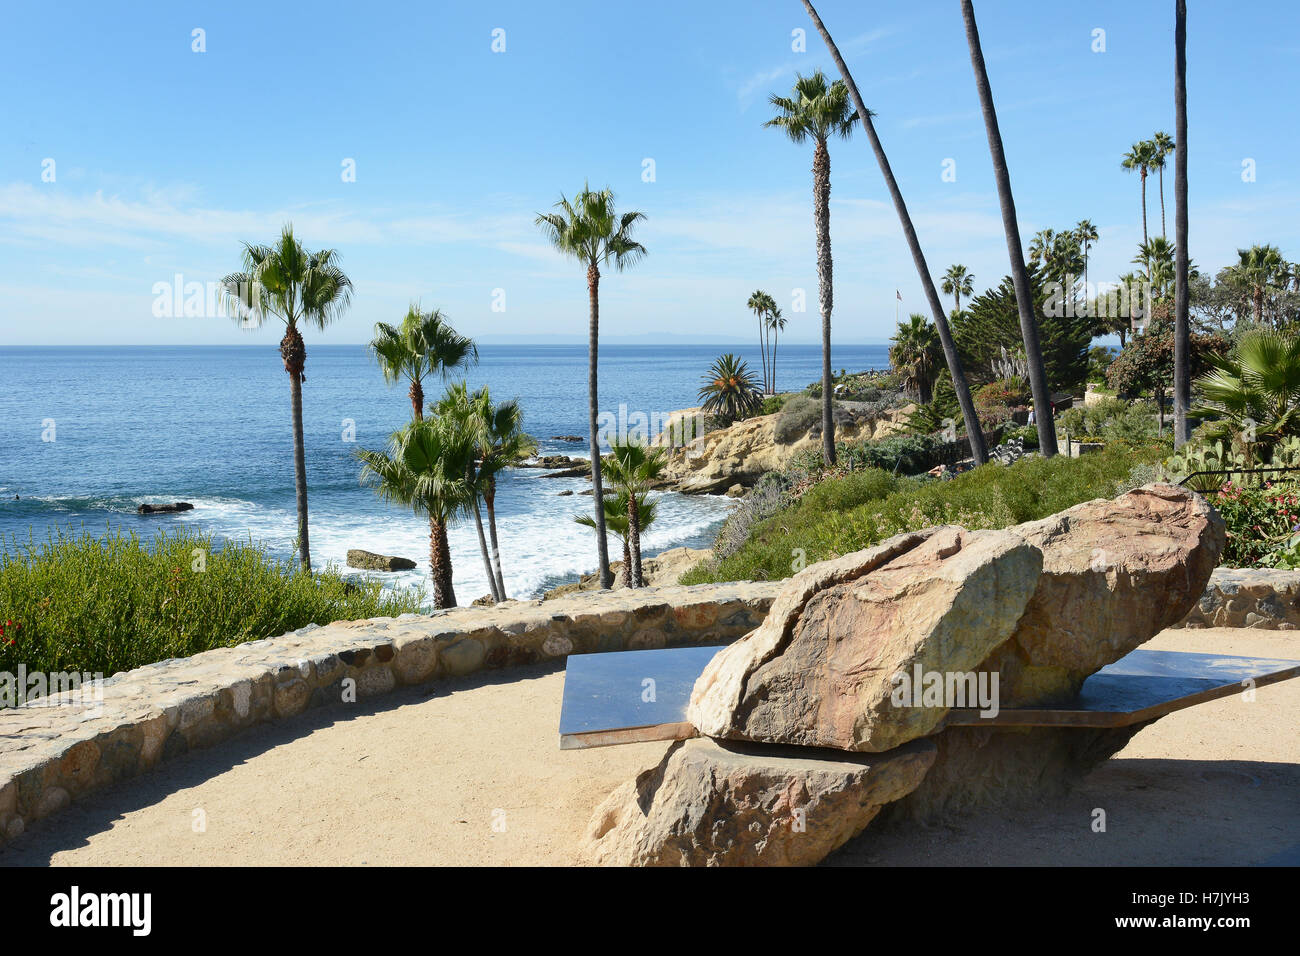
(77, 602)
(848, 513)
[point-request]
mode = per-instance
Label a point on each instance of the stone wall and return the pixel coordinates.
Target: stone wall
(52, 755)
(1235, 597)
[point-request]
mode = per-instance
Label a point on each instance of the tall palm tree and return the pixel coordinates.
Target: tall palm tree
(633, 467)
(299, 288)
(979, 449)
(469, 415)
(1141, 157)
(1161, 146)
(1258, 272)
(818, 110)
(506, 442)
(730, 389)
(589, 230)
(1019, 275)
(915, 355)
(617, 509)
(776, 323)
(957, 282)
(425, 468)
(1087, 234)
(760, 303)
(1157, 256)
(1040, 247)
(1182, 300)
(423, 344)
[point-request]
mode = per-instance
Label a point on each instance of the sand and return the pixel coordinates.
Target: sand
(469, 772)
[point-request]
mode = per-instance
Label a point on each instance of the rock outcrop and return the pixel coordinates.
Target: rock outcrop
(172, 508)
(820, 670)
(663, 570)
(724, 804)
(369, 561)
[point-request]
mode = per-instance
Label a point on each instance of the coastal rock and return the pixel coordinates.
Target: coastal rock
(744, 451)
(819, 671)
(1115, 574)
(663, 570)
(369, 561)
(711, 803)
(147, 509)
(568, 438)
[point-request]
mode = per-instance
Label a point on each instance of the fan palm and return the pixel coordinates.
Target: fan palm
(915, 354)
(776, 323)
(425, 468)
(730, 390)
(957, 282)
(617, 508)
(299, 288)
(818, 110)
(633, 467)
(1255, 394)
(979, 450)
(1258, 273)
(469, 413)
(506, 442)
(590, 231)
(1019, 274)
(1140, 158)
(423, 344)
(1087, 234)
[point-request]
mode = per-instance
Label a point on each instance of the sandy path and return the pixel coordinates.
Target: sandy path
(418, 778)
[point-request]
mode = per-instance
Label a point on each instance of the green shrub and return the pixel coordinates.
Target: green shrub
(1028, 435)
(798, 415)
(110, 604)
(774, 403)
(903, 454)
(830, 520)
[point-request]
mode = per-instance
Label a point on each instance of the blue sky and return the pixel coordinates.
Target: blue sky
(166, 159)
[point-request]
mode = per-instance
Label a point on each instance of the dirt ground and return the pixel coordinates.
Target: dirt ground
(469, 772)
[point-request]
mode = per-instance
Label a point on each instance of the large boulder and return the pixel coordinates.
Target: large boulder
(173, 508)
(820, 670)
(369, 561)
(710, 803)
(1115, 574)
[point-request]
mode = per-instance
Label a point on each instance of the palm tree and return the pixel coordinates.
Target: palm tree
(818, 110)
(776, 323)
(957, 282)
(617, 509)
(1040, 247)
(423, 344)
(506, 443)
(1255, 393)
(1158, 257)
(914, 353)
(730, 389)
(979, 450)
(469, 415)
(760, 303)
(1161, 147)
(299, 288)
(1141, 157)
(425, 468)
(1087, 234)
(1258, 272)
(1182, 300)
(589, 230)
(632, 469)
(1019, 275)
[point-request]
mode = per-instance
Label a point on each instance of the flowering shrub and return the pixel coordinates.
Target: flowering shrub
(1261, 521)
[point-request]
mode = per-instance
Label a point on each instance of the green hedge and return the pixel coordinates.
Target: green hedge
(78, 602)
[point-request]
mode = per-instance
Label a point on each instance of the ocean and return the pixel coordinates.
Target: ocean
(88, 433)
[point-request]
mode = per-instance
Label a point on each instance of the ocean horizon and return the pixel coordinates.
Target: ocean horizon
(90, 432)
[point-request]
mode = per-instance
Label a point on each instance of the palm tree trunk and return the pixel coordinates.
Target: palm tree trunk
(825, 290)
(762, 348)
(483, 548)
(1182, 326)
(1162, 204)
(1145, 241)
(1020, 276)
(294, 352)
(593, 399)
(440, 565)
(978, 448)
(627, 564)
(634, 539)
(489, 499)
(417, 399)
(776, 334)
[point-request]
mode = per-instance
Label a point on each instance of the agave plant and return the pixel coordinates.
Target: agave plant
(730, 389)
